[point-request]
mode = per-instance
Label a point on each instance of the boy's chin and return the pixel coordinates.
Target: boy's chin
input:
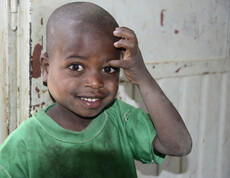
(88, 115)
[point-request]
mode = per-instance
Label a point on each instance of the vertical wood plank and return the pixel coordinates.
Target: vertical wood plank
(208, 143)
(23, 61)
(146, 170)
(190, 112)
(3, 70)
(12, 80)
(223, 152)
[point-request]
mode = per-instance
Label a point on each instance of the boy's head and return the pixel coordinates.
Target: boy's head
(87, 16)
(79, 46)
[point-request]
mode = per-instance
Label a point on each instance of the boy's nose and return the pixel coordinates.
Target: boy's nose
(94, 80)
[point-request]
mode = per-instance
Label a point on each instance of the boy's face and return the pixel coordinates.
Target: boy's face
(79, 77)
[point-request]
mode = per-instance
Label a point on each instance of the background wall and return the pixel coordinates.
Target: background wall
(185, 45)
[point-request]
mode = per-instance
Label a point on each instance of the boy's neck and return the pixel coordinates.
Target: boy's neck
(67, 119)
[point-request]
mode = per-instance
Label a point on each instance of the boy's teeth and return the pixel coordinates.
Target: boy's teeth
(90, 99)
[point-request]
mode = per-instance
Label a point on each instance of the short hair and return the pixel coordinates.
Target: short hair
(75, 13)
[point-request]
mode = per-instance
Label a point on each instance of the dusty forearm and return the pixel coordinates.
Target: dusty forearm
(173, 137)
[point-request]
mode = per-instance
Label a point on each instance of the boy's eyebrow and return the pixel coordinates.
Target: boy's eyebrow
(84, 57)
(76, 56)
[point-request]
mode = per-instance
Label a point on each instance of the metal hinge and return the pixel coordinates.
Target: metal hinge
(14, 11)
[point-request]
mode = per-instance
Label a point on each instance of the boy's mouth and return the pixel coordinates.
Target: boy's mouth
(89, 99)
(91, 102)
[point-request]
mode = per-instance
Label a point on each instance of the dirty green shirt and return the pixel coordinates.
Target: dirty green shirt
(106, 148)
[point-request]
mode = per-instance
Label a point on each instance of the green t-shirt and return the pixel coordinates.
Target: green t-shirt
(106, 148)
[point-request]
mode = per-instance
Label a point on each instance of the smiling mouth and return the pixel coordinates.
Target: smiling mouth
(91, 102)
(89, 99)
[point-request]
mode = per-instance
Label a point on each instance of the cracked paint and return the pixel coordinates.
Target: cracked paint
(162, 17)
(36, 61)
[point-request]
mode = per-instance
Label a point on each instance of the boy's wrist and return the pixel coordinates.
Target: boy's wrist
(144, 78)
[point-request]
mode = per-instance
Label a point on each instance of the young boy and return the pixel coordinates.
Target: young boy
(87, 132)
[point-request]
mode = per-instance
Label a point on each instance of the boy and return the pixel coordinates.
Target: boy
(87, 132)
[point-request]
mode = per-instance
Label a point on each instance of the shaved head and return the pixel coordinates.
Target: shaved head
(66, 18)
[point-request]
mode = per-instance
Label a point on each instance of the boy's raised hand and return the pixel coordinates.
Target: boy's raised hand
(172, 137)
(132, 61)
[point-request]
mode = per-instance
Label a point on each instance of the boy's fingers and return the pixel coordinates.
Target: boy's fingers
(125, 33)
(119, 63)
(122, 43)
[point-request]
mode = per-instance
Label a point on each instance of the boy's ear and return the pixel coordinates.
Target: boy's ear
(44, 61)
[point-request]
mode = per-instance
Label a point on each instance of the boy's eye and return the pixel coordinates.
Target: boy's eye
(76, 67)
(109, 69)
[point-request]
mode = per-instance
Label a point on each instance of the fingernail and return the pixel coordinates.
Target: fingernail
(117, 29)
(116, 43)
(115, 32)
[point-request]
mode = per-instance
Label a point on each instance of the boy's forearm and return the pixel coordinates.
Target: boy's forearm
(173, 137)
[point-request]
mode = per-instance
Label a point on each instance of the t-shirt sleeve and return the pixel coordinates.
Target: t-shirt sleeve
(141, 133)
(13, 159)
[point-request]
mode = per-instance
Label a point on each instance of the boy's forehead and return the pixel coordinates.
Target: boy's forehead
(74, 35)
(87, 30)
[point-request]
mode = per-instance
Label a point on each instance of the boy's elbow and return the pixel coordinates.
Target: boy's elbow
(189, 149)
(186, 147)
(181, 148)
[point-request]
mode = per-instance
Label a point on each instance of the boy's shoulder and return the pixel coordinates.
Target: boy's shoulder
(18, 138)
(23, 133)
(125, 110)
(122, 106)
(30, 125)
